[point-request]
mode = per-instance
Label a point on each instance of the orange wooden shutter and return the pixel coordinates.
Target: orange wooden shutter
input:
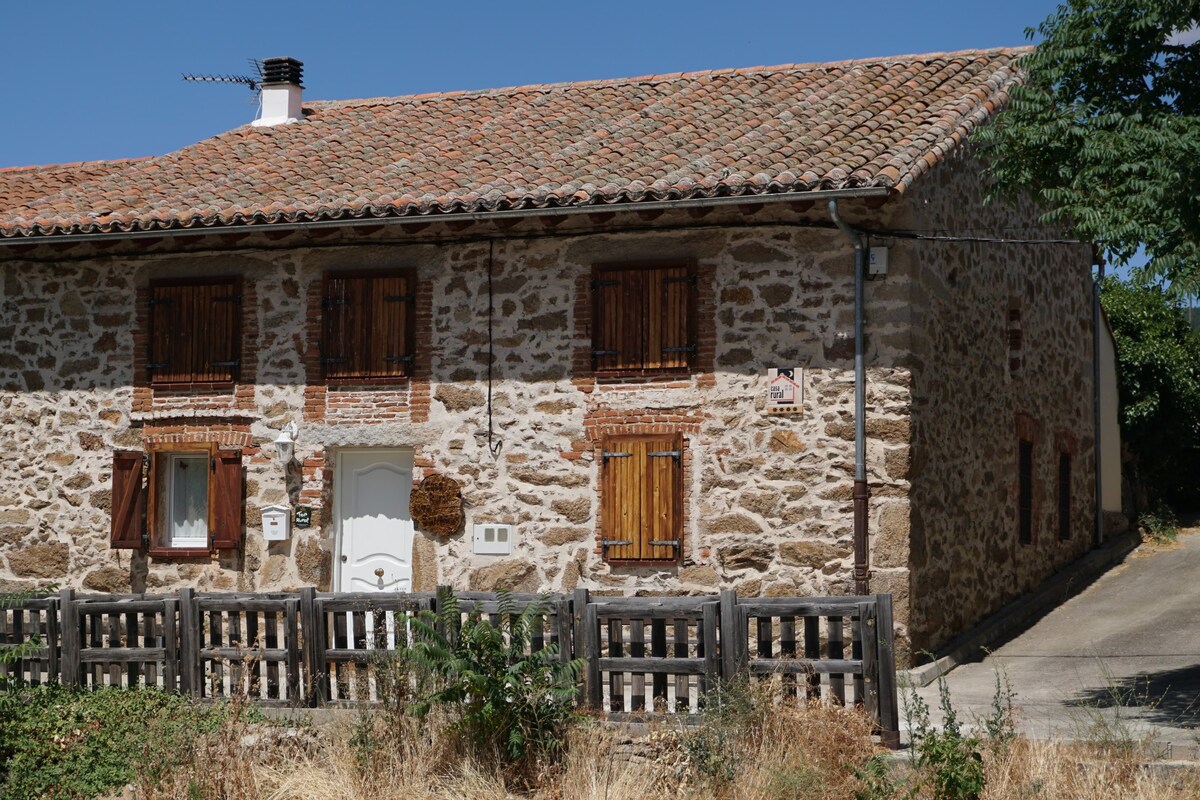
(128, 501)
(621, 495)
(662, 498)
(227, 499)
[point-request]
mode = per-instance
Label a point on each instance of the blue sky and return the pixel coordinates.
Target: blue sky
(94, 80)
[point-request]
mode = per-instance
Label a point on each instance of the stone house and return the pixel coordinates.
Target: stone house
(619, 315)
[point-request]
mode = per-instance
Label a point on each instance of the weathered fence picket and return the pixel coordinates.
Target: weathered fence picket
(641, 655)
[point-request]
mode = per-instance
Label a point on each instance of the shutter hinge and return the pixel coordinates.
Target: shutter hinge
(690, 349)
(597, 283)
(393, 359)
(161, 301)
(675, 454)
(332, 360)
(615, 542)
(689, 279)
(400, 298)
(229, 298)
(233, 363)
(212, 464)
(607, 454)
(157, 365)
(330, 302)
(145, 537)
(663, 543)
(598, 353)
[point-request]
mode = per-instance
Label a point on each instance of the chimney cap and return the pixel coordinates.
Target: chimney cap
(284, 69)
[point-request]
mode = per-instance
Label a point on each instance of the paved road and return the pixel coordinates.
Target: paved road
(1122, 658)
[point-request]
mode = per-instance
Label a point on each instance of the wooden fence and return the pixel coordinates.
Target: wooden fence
(642, 655)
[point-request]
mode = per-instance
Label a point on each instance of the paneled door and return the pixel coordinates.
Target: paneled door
(375, 528)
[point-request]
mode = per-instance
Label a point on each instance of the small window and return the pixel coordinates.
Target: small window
(195, 502)
(1064, 496)
(368, 327)
(642, 319)
(195, 332)
(642, 498)
(1025, 492)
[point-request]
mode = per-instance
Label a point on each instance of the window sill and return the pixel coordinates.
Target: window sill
(609, 376)
(197, 387)
(366, 383)
(180, 552)
(643, 562)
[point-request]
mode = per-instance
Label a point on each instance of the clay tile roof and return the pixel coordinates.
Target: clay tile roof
(791, 128)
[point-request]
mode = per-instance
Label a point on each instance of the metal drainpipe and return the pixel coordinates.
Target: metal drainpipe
(862, 575)
(1098, 529)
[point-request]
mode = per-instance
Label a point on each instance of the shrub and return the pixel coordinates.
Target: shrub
(508, 701)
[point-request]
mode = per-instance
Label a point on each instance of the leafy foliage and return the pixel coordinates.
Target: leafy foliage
(1105, 132)
(63, 743)
(1158, 372)
(509, 701)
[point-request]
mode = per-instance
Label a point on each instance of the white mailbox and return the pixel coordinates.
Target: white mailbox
(277, 523)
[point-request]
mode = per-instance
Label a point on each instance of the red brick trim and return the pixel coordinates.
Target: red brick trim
(419, 387)
(314, 387)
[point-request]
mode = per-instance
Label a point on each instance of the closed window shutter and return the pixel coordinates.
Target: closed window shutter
(607, 303)
(128, 501)
(391, 318)
(662, 499)
(621, 495)
(368, 325)
(337, 339)
(670, 344)
(642, 498)
(641, 319)
(195, 332)
(227, 498)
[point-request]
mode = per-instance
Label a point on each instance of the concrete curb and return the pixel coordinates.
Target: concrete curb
(1020, 614)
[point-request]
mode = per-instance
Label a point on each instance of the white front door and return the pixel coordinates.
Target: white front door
(376, 530)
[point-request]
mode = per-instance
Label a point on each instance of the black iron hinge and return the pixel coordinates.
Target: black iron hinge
(690, 349)
(615, 542)
(598, 353)
(157, 365)
(229, 298)
(597, 283)
(663, 543)
(332, 360)
(689, 279)
(233, 363)
(330, 302)
(394, 359)
(607, 454)
(675, 454)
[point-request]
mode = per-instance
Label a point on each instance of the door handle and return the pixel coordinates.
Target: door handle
(379, 572)
(345, 559)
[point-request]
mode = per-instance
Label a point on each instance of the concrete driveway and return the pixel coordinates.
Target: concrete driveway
(1121, 659)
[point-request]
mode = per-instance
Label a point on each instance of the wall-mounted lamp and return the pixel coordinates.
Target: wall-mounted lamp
(285, 443)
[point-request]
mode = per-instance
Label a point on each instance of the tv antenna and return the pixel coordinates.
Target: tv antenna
(254, 83)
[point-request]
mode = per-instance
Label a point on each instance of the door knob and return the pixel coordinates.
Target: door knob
(379, 572)
(344, 559)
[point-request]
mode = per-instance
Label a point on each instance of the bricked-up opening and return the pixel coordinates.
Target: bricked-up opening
(1025, 491)
(1064, 496)
(642, 498)
(643, 318)
(368, 325)
(195, 332)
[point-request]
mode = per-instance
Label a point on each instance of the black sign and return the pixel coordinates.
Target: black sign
(303, 516)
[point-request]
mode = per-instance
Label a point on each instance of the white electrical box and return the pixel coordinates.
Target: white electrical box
(493, 539)
(277, 523)
(877, 264)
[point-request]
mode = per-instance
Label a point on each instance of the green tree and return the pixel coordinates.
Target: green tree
(1105, 131)
(1158, 370)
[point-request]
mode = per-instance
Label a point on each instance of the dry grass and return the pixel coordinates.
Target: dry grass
(758, 752)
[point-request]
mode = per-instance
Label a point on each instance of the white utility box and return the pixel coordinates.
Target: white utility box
(493, 539)
(277, 523)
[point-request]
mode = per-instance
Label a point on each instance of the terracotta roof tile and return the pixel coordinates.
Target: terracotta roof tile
(792, 128)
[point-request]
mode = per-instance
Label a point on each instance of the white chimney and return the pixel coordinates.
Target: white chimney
(281, 91)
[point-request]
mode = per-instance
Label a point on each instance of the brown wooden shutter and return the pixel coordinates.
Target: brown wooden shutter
(227, 500)
(670, 345)
(607, 298)
(128, 501)
(662, 499)
(195, 332)
(623, 480)
(165, 363)
(391, 321)
(219, 331)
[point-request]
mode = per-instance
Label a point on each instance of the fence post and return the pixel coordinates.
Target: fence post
(731, 636)
(712, 658)
(313, 630)
(189, 643)
(52, 638)
(591, 651)
(170, 637)
(866, 689)
(69, 667)
(562, 629)
(885, 639)
(291, 621)
(579, 604)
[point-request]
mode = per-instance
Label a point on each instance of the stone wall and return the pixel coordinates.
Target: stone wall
(768, 498)
(1002, 341)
